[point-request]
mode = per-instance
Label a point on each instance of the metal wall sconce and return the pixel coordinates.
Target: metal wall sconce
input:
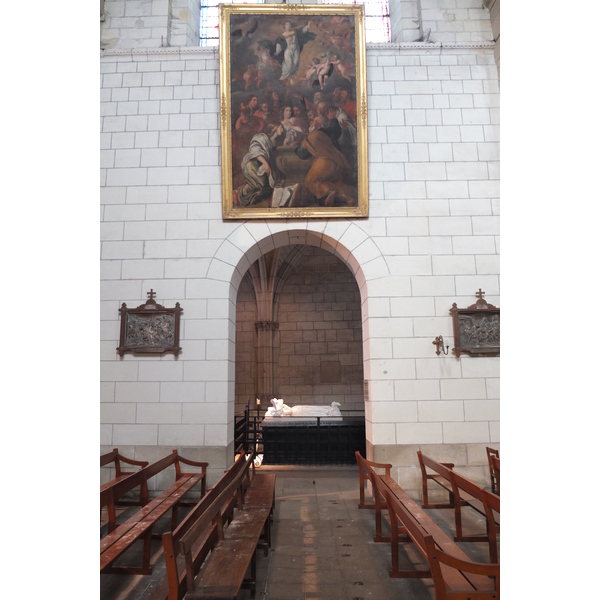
(439, 343)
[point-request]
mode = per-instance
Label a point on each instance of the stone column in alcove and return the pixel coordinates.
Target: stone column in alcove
(265, 342)
(268, 275)
(263, 275)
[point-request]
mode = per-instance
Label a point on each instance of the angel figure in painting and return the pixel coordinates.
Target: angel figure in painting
(346, 69)
(291, 44)
(318, 72)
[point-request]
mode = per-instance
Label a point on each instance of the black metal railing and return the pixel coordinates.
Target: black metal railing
(302, 439)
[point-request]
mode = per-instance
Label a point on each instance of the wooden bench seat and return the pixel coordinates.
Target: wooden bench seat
(462, 492)
(261, 494)
(240, 505)
(454, 574)
(140, 525)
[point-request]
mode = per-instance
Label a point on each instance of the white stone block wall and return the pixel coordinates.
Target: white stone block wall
(456, 21)
(135, 24)
(170, 23)
(432, 238)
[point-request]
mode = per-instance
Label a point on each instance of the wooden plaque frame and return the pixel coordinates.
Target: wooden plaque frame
(150, 328)
(476, 328)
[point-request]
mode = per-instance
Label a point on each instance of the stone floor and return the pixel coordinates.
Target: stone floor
(323, 546)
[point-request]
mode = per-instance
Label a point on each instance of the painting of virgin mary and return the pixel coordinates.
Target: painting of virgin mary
(285, 87)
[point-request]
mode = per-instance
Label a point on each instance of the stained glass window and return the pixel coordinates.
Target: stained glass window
(377, 18)
(209, 19)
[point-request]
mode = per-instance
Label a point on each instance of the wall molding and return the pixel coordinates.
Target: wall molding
(214, 50)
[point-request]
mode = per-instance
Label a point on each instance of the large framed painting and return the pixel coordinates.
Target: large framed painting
(293, 111)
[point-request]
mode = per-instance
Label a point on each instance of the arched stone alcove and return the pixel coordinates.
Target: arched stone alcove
(268, 255)
(298, 331)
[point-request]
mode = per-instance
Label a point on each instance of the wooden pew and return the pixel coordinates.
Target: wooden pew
(462, 492)
(139, 526)
(493, 452)
(365, 470)
(208, 554)
(120, 474)
(454, 574)
(173, 584)
(496, 468)
(440, 476)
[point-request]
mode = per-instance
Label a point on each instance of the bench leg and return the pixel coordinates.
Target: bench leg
(458, 521)
(112, 517)
(399, 534)
(147, 548)
(250, 584)
(378, 537)
(267, 536)
(174, 516)
(379, 504)
(253, 575)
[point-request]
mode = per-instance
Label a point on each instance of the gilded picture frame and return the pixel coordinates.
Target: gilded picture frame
(293, 111)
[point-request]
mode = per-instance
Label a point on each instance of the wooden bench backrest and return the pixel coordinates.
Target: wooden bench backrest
(442, 469)
(491, 452)
(106, 459)
(112, 494)
(475, 490)
(201, 506)
(114, 457)
(496, 468)
(365, 468)
(366, 465)
(171, 540)
(160, 465)
(462, 569)
(211, 516)
(379, 488)
(397, 511)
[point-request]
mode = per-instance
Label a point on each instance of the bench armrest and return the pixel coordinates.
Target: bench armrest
(449, 465)
(466, 566)
(115, 458)
(187, 461)
(131, 461)
(193, 463)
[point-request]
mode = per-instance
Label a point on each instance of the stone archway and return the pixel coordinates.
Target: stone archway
(345, 239)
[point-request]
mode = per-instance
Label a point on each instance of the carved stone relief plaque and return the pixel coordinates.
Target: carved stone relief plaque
(150, 328)
(476, 328)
